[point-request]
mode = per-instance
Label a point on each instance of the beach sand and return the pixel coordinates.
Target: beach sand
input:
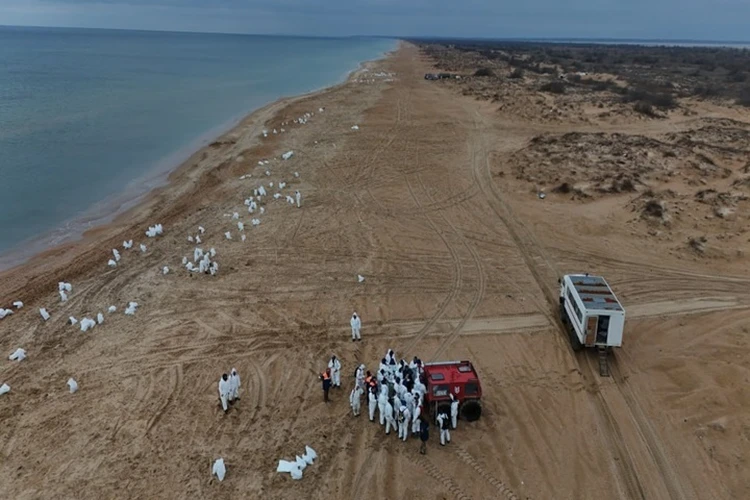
(460, 262)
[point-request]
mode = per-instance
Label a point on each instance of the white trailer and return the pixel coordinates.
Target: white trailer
(592, 314)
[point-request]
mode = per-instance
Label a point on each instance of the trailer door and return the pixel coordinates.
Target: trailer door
(591, 329)
(602, 330)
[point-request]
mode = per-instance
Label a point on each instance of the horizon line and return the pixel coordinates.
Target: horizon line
(402, 37)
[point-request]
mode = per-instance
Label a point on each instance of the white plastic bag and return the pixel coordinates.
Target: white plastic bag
(4, 388)
(296, 473)
(309, 452)
(301, 463)
(72, 385)
(219, 469)
(18, 355)
(285, 466)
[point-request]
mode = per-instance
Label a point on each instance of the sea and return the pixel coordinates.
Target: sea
(90, 119)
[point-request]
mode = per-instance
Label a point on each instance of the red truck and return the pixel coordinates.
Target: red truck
(453, 377)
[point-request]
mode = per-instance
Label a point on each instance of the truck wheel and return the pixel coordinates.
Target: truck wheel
(471, 410)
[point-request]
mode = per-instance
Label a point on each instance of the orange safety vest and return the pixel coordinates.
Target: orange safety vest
(368, 379)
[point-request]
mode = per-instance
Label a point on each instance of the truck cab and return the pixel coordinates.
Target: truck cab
(453, 377)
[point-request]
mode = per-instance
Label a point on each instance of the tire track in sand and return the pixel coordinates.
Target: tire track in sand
(500, 486)
(534, 257)
(175, 382)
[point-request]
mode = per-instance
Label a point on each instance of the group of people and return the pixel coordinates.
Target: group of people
(397, 392)
(229, 389)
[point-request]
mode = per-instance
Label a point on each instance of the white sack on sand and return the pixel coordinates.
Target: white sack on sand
(219, 469)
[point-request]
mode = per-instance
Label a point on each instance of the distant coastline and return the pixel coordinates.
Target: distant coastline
(157, 175)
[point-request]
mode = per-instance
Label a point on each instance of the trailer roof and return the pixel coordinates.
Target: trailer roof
(595, 293)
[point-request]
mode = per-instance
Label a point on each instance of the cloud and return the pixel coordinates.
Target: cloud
(718, 19)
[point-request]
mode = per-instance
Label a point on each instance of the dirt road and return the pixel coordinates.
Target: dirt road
(457, 263)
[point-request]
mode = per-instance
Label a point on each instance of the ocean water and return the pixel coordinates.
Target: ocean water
(86, 115)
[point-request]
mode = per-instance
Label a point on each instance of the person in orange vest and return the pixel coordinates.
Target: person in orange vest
(326, 378)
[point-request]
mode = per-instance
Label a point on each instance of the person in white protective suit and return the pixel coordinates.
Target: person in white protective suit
(335, 365)
(298, 198)
(225, 389)
(409, 402)
(355, 399)
(421, 389)
(416, 428)
(444, 426)
(382, 401)
(359, 376)
(454, 411)
(383, 367)
(390, 420)
(234, 385)
(396, 403)
(404, 423)
(356, 323)
(372, 403)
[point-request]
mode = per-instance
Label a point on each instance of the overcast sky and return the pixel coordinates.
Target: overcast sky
(665, 19)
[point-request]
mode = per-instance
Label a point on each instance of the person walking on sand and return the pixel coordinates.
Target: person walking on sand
(326, 378)
(424, 435)
(225, 390)
(356, 323)
(335, 365)
(234, 383)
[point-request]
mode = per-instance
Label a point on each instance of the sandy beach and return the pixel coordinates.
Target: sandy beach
(435, 201)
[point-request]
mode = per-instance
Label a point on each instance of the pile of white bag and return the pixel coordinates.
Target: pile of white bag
(295, 468)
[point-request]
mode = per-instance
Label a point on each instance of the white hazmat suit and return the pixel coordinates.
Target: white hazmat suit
(234, 385)
(404, 423)
(454, 411)
(445, 432)
(382, 401)
(359, 376)
(372, 404)
(390, 421)
(356, 323)
(355, 400)
(225, 389)
(415, 428)
(335, 365)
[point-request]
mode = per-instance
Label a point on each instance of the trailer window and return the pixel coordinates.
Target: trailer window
(437, 376)
(471, 389)
(440, 390)
(574, 304)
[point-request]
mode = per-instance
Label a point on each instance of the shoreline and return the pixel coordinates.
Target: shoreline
(174, 188)
(114, 208)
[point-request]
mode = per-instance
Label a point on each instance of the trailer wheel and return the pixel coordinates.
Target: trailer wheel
(574, 342)
(471, 410)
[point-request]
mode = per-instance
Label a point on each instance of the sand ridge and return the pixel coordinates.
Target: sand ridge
(460, 263)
